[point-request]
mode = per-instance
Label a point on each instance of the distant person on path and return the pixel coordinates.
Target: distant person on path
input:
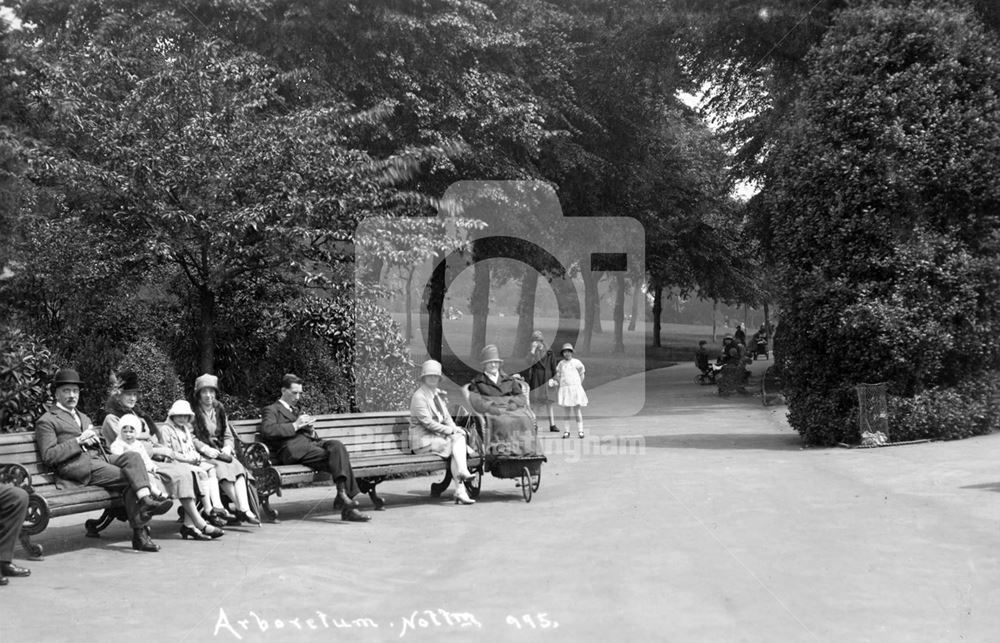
(570, 374)
(69, 444)
(13, 510)
(740, 336)
(291, 435)
(701, 357)
(539, 375)
(215, 443)
(432, 430)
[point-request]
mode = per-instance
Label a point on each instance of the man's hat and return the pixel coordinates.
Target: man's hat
(66, 377)
(538, 335)
(206, 381)
(490, 353)
(129, 381)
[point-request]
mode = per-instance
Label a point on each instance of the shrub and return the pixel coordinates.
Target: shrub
(884, 223)
(947, 413)
(26, 370)
(159, 385)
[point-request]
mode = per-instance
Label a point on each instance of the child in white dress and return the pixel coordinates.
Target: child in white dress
(569, 376)
(126, 441)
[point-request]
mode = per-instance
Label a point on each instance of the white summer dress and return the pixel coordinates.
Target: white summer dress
(569, 374)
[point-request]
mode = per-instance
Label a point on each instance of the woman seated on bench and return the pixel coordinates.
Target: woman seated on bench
(216, 444)
(433, 431)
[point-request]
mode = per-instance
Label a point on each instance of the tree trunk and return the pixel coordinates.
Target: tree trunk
(636, 294)
(657, 310)
(715, 320)
(767, 320)
(590, 279)
(206, 302)
(435, 303)
(409, 304)
(479, 304)
(619, 346)
(598, 328)
(525, 312)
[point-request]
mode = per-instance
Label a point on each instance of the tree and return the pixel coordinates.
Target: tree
(883, 220)
(206, 157)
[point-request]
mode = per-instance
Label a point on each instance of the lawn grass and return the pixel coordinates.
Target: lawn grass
(679, 342)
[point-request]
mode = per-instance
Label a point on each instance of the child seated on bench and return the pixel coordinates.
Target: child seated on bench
(126, 441)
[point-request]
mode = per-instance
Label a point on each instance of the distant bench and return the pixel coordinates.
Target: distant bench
(21, 466)
(379, 444)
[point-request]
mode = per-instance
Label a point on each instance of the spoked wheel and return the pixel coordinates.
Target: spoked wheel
(536, 480)
(526, 488)
(475, 484)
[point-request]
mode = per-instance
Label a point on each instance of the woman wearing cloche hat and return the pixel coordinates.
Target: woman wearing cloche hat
(433, 431)
(501, 397)
(215, 443)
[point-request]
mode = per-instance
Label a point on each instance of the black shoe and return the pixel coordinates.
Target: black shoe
(244, 516)
(553, 428)
(212, 519)
(149, 506)
(223, 513)
(142, 542)
(3, 581)
(353, 515)
(342, 501)
(193, 533)
(10, 569)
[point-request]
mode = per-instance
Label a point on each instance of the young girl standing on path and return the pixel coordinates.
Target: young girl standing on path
(569, 376)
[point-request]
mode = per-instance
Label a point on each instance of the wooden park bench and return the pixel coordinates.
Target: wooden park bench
(21, 466)
(379, 444)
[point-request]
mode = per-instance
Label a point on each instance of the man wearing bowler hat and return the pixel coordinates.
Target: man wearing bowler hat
(71, 446)
(291, 435)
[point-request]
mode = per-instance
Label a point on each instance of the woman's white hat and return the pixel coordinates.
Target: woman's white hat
(430, 367)
(566, 347)
(130, 419)
(180, 407)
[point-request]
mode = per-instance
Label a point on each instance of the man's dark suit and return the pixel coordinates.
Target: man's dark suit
(55, 436)
(298, 447)
(13, 509)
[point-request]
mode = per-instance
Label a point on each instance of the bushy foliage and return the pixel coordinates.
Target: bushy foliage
(972, 408)
(26, 370)
(159, 385)
(368, 344)
(883, 219)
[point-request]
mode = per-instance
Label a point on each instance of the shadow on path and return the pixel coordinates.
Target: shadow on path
(759, 441)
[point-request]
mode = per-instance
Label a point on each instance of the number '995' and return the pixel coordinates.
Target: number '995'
(539, 621)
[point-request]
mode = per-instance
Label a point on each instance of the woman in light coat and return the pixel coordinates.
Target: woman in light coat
(433, 431)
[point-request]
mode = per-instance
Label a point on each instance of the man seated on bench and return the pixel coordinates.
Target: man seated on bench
(292, 437)
(13, 509)
(69, 444)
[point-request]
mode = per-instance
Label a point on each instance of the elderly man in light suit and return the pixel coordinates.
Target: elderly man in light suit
(69, 445)
(433, 431)
(291, 435)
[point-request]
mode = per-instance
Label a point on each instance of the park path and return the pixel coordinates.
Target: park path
(700, 519)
